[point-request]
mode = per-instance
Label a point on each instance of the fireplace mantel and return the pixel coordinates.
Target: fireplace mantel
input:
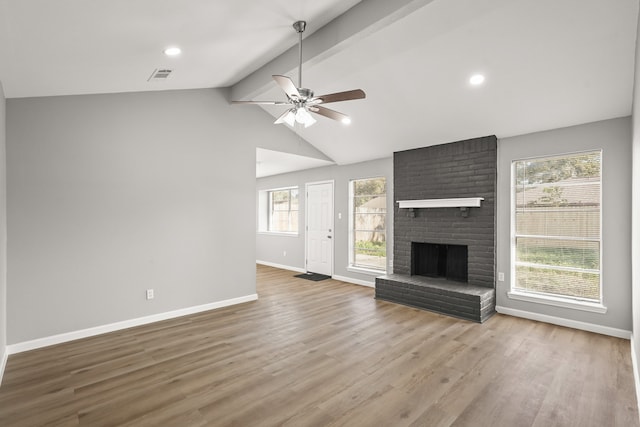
(466, 202)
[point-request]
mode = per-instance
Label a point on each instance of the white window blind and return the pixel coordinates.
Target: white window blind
(556, 247)
(283, 210)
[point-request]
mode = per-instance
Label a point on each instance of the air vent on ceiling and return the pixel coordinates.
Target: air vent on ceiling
(160, 74)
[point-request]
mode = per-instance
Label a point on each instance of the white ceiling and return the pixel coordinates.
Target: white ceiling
(65, 47)
(548, 63)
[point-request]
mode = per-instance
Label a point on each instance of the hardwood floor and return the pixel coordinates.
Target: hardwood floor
(324, 354)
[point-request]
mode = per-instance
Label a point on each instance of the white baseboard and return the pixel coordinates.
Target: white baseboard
(590, 327)
(302, 270)
(354, 281)
(636, 374)
(281, 266)
(3, 363)
(89, 332)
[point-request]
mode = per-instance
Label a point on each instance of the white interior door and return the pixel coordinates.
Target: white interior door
(319, 235)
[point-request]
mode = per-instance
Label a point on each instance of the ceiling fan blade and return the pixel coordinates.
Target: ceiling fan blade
(262, 102)
(339, 96)
(287, 85)
(332, 114)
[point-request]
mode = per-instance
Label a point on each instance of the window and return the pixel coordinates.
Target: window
(283, 210)
(556, 220)
(368, 242)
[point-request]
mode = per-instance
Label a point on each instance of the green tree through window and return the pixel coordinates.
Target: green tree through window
(369, 215)
(557, 226)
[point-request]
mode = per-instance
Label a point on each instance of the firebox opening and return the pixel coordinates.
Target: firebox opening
(439, 260)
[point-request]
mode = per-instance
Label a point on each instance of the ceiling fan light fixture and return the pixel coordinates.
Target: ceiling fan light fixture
(309, 121)
(304, 117)
(290, 118)
(346, 121)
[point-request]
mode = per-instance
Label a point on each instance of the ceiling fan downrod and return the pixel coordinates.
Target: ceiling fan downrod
(300, 26)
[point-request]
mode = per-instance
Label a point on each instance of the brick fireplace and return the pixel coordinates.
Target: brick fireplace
(444, 257)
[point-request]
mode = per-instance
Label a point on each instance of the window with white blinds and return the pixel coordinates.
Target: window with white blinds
(556, 247)
(283, 210)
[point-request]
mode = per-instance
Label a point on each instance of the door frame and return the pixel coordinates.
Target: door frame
(332, 216)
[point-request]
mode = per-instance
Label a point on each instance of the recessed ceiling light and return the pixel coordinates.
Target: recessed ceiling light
(172, 51)
(346, 120)
(476, 79)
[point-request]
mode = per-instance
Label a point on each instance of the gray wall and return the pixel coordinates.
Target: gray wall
(271, 248)
(109, 195)
(614, 138)
(3, 227)
(636, 208)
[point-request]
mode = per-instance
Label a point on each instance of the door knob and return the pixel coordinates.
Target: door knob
(328, 237)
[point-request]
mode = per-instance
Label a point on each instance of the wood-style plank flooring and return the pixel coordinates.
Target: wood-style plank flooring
(324, 354)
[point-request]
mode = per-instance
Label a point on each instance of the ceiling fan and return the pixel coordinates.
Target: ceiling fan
(302, 100)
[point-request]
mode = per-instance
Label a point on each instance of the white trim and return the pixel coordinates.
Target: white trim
(575, 324)
(351, 241)
(3, 363)
(544, 299)
(465, 202)
(558, 302)
(281, 266)
(355, 281)
(264, 212)
(331, 216)
(369, 271)
(351, 225)
(288, 187)
(279, 233)
(98, 330)
(636, 374)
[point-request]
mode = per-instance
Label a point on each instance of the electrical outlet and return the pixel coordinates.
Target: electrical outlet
(284, 253)
(500, 277)
(149, 293)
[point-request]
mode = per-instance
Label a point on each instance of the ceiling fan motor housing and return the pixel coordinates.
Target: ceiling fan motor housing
(305, 93)
(300, 26)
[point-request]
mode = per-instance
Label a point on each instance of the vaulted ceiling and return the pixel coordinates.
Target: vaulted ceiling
(547, 63)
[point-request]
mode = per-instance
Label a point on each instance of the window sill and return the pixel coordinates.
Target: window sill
(278, 233)
(369, 271)
(558, 302)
